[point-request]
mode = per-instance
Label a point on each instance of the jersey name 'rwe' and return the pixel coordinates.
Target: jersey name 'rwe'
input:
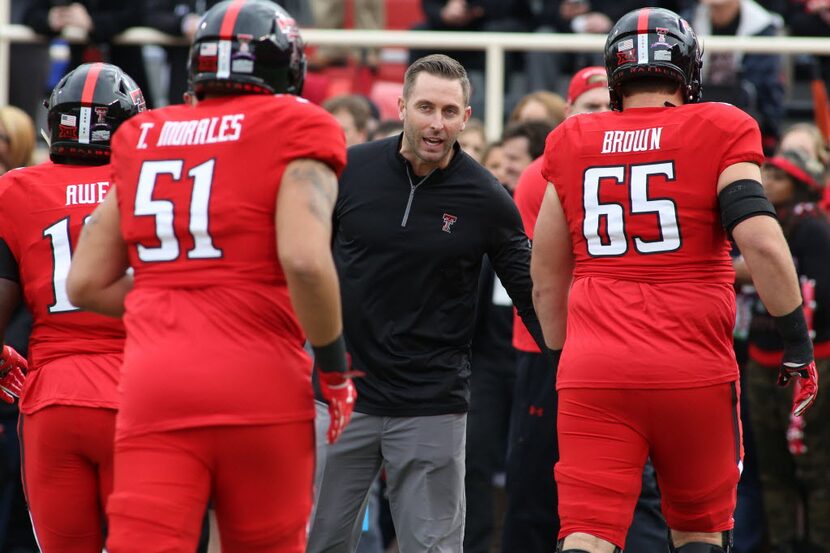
(631, 141)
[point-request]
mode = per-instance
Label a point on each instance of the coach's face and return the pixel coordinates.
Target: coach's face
(433, 115)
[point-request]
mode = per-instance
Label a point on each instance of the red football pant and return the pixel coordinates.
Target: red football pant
(67, 475)
(693, 437)
(259, 479)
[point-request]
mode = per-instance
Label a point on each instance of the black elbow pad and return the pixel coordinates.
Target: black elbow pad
(741, 200)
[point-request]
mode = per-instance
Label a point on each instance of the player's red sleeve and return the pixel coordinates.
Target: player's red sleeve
(556, 157)
(318, 136)
(742, 140)
(8, 187)
(529, 193)
(553, 147)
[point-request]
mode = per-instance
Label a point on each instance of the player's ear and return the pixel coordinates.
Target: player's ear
(401, 107)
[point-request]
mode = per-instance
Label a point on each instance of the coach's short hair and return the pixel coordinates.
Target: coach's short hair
(438, 65)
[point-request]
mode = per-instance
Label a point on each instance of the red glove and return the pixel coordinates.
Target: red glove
(339, 392)
(798, 360)
(795, 430)
(13, 369)
(803, 397)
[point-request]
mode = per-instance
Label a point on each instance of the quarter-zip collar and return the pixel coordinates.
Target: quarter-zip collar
(413, 186)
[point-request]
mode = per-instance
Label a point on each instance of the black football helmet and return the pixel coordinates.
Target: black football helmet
(247, 47)
(653, 42)
(86, 107)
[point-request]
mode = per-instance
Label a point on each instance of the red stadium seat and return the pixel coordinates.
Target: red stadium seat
(403, 14)
(385, 96)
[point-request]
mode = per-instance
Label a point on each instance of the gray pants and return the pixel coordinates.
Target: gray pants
(424, 462)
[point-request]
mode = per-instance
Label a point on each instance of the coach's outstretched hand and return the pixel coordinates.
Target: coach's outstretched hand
(339, 392)
(13, 369)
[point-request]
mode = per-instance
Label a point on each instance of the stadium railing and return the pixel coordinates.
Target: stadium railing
(493, 44)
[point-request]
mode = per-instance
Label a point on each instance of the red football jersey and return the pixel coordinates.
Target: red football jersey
(42, 210)
(652, 303)
(530, 190)
(211, 335)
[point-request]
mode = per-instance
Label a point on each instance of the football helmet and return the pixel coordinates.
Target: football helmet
(86, 107)
(653, 42)
(247, 47)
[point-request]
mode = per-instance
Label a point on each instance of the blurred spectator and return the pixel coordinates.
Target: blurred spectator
(472, 138)
(545, 69)
(28, 69)
(476, 15)
(588, 16)
(493, 160)
(522, 142)
(472, 15)
(588, 91)
(330, 14)
(807, 137)
(389, 127)
(753, 82)
(17, 138)
(176, 18)
(492, 375)
(794, 452)
(811, 18)
(179, 18)
(539, 106)
(93, 23)
(493, 366)
(353, 113)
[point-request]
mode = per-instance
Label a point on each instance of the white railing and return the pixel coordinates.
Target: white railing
(493, 44)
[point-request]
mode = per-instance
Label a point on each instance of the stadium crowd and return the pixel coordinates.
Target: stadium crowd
(495, 405)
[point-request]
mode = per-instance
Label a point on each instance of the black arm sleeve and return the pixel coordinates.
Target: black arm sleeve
(741, 200)
(509, 251)
(8, 264)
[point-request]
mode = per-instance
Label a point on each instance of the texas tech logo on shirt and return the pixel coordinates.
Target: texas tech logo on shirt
(449, 221)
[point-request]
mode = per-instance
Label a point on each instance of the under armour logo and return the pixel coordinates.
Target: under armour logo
(534, 411)
(449, 221)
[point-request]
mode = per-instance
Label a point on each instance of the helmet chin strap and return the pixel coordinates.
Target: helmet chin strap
(46, 137)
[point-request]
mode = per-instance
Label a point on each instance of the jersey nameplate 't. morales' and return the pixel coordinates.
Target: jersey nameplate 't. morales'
(641, 140)
(195, 132)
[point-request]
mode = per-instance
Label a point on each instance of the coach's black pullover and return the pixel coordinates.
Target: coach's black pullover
(408, 251)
